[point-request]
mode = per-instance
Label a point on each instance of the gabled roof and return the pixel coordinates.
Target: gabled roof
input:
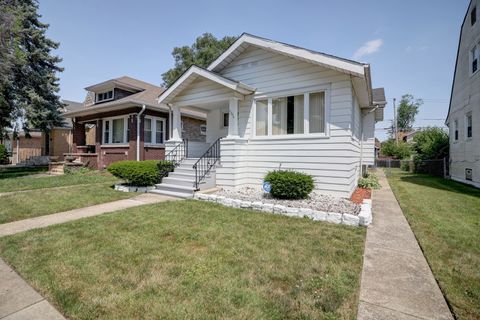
(147, 96)
(456, 61)
(124, 81)
(193, 73)
(329, 61)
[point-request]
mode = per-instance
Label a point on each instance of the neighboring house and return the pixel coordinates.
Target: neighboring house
(105, 127)
(463, 117)
(39, 147)
(271, 105)
(409, 136)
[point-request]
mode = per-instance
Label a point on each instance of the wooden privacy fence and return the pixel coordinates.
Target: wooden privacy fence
(434, 167)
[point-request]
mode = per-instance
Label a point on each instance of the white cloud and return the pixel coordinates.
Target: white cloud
(368, 48)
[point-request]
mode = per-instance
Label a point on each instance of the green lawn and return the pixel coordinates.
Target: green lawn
(193, 260)
(23, 205)
(445, 217)
(17, 183)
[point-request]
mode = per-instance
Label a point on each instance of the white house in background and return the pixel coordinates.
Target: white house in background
(463, 117)
(271, 105)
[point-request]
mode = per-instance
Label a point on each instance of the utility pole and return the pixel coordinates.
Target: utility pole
(395, 121)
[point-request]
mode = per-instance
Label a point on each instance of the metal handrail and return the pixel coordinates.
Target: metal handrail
(206, 162)
(179, 153)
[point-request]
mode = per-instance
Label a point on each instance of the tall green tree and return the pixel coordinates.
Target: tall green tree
(28, 84)
(203, 52)
(407, 111)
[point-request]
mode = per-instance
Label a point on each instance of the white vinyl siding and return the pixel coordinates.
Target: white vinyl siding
(332, 159)
(465, 99)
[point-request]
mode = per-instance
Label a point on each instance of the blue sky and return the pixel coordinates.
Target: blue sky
(411, 45)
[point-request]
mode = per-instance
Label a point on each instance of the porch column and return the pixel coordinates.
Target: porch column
(176, 124)
(233, 117)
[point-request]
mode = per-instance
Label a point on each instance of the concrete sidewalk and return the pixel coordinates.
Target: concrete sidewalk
(62, 217)
(20, 301)
(397, 282)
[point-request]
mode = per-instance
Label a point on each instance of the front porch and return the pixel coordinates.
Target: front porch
(101, 139)
(226, 104)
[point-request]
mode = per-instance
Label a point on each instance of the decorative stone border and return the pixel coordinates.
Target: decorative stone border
(125, 188)
(363, 219)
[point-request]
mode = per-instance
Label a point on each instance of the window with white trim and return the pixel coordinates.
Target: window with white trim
(474, 57)
(225, 119)
(473, 16)
(154, 130)
(115, 130)
(468, 125)
(290, 115)
(105, 96)
(455, 128)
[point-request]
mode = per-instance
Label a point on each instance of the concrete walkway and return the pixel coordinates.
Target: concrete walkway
(20, 301)
(397, 282)
(62, 217)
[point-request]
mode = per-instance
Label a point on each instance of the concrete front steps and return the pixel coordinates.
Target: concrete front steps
(181, 182)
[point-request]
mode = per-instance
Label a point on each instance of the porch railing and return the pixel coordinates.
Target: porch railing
(207, 161)
(178, 153)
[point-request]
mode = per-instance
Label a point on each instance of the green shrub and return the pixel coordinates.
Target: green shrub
(431, 143)
(369, 182)
(400, 150)
(405, 165)
(289, 184)
(165, 167)
(137, 173)
(3, 154)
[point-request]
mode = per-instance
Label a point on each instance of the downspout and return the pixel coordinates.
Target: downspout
(144, 107)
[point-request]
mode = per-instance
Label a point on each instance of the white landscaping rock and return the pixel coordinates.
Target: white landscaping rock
(245, 204)
(319, 216)
(334, 217)
(227, 202)
(279, 209)
(257, 205)
(267, 207)
(350, 220)
(291, 212)
(236, 203)
(305, 213)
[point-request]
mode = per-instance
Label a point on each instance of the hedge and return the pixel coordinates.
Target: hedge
(136, 173)
(289, 184)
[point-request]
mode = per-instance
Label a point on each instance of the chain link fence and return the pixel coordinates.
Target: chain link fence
(434, 167)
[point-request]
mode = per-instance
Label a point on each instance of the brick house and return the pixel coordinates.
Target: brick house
(105, 128)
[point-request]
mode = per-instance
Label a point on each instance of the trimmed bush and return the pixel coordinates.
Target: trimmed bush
(165, 167)
(289, 184)
(136, 173)
(3, 154)
(369, 182)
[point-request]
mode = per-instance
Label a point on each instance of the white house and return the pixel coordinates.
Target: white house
(464, 112)
(271, 105)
